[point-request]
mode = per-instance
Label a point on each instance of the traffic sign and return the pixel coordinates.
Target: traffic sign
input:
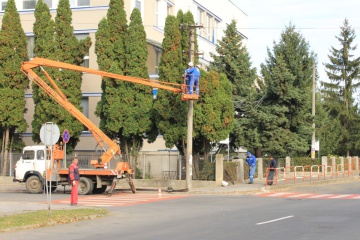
(66, 136)
(49, 133)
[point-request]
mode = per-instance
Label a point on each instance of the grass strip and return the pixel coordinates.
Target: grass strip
(38, 219)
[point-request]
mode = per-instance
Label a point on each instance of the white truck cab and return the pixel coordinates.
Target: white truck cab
(31, 168)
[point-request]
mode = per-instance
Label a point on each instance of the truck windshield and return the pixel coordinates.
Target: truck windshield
(28, 155)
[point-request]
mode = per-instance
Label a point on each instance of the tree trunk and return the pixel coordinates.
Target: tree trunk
(5, 151)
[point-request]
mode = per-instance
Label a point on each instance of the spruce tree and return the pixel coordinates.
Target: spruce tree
(343, 70)
(13, 83)
(70, 50)
(170, 111)
(232, 59)
(285, 117)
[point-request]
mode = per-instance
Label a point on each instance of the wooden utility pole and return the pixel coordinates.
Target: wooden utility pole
(313, 140)
(189, 140)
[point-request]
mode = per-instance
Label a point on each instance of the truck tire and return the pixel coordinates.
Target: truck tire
(86, 186)
(34, 184)
(99, 190)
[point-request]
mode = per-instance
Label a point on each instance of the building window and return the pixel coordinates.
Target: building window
(30, 47)
(83, 36)
(29, 4)
(85, 109)
(85, 106)
(79, 3)
(48, 2)
(208, 26)
(215, 33)
(157, 59)
(163, 8)
(138, 5)
(169, 10)
(3, 5)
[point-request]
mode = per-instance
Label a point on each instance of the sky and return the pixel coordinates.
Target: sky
(318, 21)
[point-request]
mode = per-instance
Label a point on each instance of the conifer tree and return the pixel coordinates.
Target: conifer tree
(343, 70)
(285, 118)
(70, 50)
(233, 60)
(213, 112)
(137, 100)
(186, 20)
(110, 49)
(170, 111)
(13, 83)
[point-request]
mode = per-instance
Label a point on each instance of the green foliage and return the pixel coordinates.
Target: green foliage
(13, 83)
(343, 70)
(285, 117)
(110, 51)
(186, 20)
(305, 161)
(230, 168)
(148, 171)
(65, 48)
(207, 171)
(233, 60)
(213, 112)
(170, 112)
(38, 219)
(125, 108)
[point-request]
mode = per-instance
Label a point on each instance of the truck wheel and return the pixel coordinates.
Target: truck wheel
(86, 186)
(34, 185)
(99, 190)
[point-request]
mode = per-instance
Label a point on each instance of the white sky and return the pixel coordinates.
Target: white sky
(318, 21)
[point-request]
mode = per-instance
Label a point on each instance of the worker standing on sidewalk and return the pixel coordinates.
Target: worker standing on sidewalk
(251, 161)
(272, 169)
(74, 178)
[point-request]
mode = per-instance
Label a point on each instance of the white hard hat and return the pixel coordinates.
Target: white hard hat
(190, 64)
(199, 66)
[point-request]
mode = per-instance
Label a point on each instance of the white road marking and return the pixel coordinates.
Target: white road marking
(321, 195)
(278, 194)
(274, 220)
(341, 196)
(300, 195)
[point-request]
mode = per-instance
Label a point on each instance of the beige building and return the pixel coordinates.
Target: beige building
(213, 15)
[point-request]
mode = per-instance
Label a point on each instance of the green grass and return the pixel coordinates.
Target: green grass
(42, 218)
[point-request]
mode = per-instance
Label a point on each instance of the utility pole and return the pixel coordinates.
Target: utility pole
(189, 140)
(313, 140)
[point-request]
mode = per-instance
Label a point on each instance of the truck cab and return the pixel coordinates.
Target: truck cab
(31, 168)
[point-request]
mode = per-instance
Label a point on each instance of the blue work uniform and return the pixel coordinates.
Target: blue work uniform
(251, 161)
(194, 74)
(187, 78)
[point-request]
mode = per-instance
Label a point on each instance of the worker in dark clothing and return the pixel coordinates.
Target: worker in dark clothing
(251, 161)
(272, 170)
(74, 178)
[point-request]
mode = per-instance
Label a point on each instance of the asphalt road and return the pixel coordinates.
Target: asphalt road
(218, 217)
